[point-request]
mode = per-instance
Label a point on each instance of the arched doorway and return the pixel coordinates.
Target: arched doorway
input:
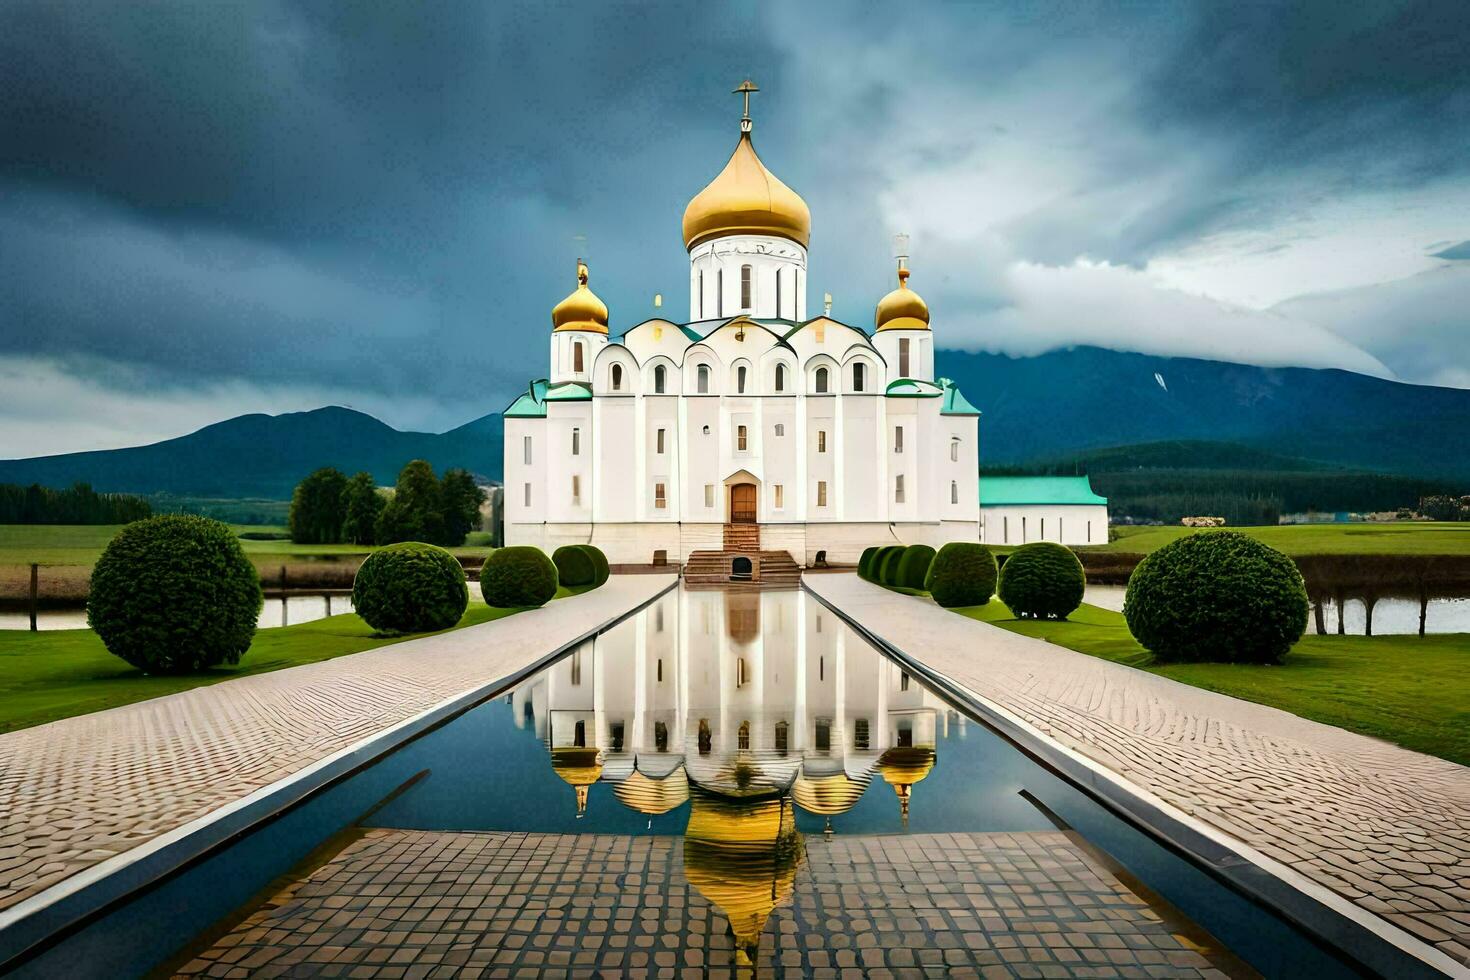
(742, 503)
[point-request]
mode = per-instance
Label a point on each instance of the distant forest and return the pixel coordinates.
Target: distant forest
(80, 504)
(1168, 481)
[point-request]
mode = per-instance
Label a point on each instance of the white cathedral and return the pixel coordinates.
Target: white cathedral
(750, 428)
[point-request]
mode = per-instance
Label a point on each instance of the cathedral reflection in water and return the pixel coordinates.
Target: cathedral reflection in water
(747, 706)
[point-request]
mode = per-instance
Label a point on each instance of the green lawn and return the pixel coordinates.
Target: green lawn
(1410, 690)
(82, 544)
(1408, 538)
(60, 673)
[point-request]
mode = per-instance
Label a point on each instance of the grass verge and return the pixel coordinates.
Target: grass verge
(1407, 538)
(57, 674)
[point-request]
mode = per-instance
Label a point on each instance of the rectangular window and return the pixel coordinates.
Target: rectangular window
(720, 293)
(528, 495)
(577, 357)
(903, 357)
(576, 442)
(898, 438)
(954, 492)
(701, 294)
(741, 438)
(903, 680)
(780, 430)
(660, 441)
(745, 287)
(822, 441)
(954, 450)
(860, 739)
(780, 496)
(859, 375)
(576, 489)
(824, 735)
(778, 296)
(821, 493)
(898, 489)
(526, 449)
(660, 500)
(709, 494)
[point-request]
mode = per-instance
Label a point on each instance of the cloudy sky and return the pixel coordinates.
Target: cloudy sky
(212, 208)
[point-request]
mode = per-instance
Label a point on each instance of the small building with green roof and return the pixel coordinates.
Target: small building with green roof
(1017, 510)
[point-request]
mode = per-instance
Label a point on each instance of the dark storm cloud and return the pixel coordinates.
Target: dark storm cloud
(384, 197)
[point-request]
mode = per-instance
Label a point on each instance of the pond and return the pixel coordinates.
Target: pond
(725, 778)
(1390, 616)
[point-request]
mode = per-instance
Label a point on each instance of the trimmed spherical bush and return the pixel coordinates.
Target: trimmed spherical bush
(865, 563)
(175, 594)
(410, 588)
(599, 564)
(962, 574)
(518, 576)
(1218, 596)
(887, 564)
(1042, 580)
(913, 566)
(574, 566)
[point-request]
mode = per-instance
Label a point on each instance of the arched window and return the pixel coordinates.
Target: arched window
(658, 380)
(745, 287)
(577, 356)
(859, 375)
(617, 377)
(821, 381)
(703, 383)
(780, 377)
(903, 357)
(740, 379)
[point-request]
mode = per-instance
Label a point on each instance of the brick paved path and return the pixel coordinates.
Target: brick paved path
(424, 904)
(1383, 826)
(79, 791)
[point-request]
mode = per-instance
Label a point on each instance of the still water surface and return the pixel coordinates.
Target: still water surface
(757, 729)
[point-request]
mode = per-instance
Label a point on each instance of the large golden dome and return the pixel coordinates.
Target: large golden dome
(582, 310)
(746, 199)
(902, 309)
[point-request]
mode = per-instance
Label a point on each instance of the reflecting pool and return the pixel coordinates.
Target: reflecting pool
(728, 780)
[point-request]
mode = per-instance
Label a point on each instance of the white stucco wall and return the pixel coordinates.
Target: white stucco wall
(1070, 524)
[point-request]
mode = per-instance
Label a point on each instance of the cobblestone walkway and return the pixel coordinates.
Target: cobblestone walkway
(79, 791)
(1385, 827)
(422, 904)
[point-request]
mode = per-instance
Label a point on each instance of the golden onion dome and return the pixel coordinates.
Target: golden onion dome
(653, 796)
(746, 198)
(828, 796)
(742, 856)
(579, 768)
(902, 309)
(902, 767)
(582, 310)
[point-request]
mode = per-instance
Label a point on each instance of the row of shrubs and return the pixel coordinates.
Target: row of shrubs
(176, 594)
(1217, 596)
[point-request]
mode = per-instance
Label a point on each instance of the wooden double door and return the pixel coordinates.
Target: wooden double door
(742, 503)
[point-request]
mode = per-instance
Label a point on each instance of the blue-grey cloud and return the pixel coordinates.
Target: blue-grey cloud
(385, 198)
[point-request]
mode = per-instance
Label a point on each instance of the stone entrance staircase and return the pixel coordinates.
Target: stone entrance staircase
(772, 569)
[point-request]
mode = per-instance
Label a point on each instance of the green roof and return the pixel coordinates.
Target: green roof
(531, 404)
(568, 391)
(913, 388)
(691, 333)
(1002, 491)
(955, 403)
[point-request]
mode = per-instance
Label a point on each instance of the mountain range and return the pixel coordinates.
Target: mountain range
(1051, 407)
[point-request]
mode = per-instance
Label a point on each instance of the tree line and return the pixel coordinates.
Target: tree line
(328, 507)
(79, 504)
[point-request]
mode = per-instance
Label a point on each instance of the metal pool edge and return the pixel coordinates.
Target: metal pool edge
(39, 922)
(1369, 939)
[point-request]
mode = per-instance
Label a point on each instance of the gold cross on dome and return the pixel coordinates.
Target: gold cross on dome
(746, 87)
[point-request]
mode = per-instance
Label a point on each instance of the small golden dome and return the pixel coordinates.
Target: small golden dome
(653, 796)
(902, 309)
(902, 767)
(579, 768)
(582, 310)
(746, 199)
